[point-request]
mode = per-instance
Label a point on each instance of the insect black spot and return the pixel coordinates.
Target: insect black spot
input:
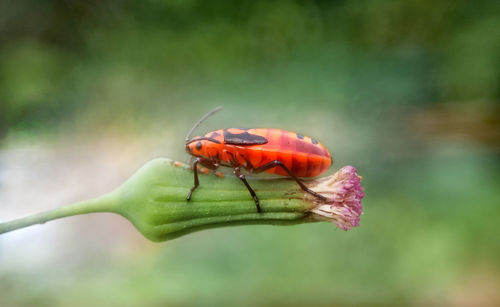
(314, 141)
(300, 136)
(214, 134)
(198, 146)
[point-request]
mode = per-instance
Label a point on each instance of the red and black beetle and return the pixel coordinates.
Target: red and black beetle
(258, 150)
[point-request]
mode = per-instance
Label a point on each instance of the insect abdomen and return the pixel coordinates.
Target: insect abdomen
(303, 156)
(301, 165)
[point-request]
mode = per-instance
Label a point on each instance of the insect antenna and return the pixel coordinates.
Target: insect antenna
(188, 136)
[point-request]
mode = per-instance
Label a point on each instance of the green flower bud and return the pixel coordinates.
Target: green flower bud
(154, 201)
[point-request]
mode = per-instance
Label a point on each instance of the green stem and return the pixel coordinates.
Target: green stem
(100, 204)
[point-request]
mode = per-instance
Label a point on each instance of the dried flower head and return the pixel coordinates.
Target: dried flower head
(344, 192)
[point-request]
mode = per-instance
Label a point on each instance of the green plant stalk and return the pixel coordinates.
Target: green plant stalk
(100, 204)
(154, 201)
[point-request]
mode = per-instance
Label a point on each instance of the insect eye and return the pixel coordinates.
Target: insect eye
(198, 146)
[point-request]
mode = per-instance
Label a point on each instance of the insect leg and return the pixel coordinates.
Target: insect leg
(196, 182)
(277, 163)
(252, 192)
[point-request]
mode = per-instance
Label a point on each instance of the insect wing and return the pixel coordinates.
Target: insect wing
(243, 138)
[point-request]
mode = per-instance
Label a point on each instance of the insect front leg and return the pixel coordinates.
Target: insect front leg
(196, 182)
(206, 163)
(240, 176)
(277, 163)
(211, 165)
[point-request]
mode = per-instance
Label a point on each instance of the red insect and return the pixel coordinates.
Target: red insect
(258, 150)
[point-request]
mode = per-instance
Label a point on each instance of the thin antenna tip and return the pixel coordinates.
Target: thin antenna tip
(217, 109)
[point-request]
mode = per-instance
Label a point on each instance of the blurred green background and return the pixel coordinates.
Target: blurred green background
(406, 91)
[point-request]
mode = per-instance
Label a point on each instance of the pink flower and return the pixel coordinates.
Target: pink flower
(344, 193)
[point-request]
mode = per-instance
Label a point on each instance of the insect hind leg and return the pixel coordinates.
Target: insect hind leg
(277, 163)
